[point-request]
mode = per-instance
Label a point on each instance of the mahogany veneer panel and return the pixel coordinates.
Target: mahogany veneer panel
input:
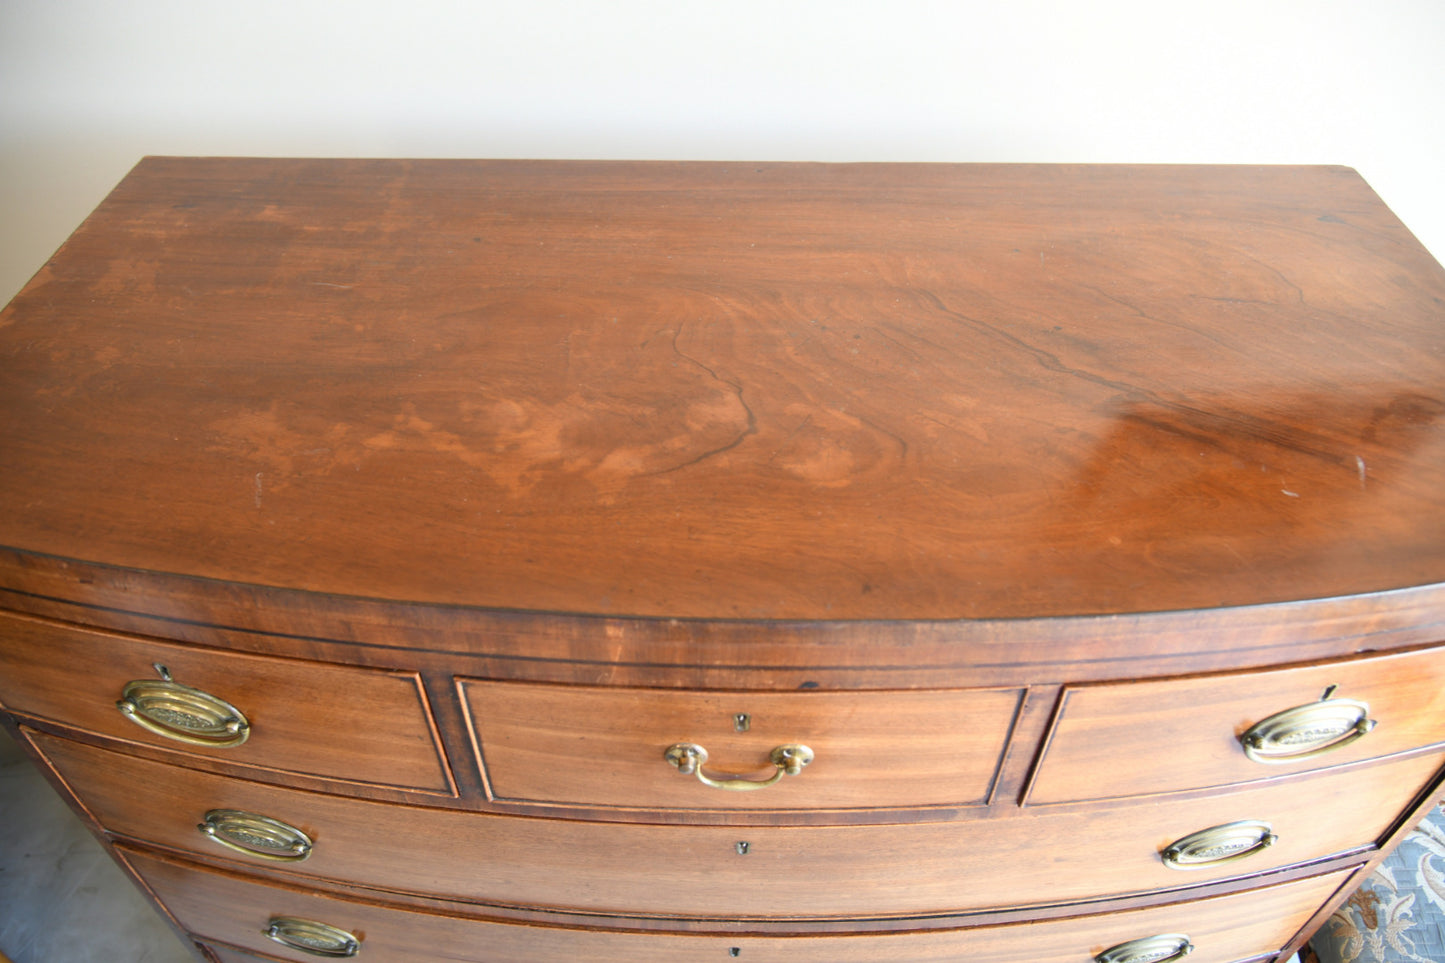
(738, 390)
(1138, 738)
(604, 746)
(234, 911)
(225, 954)
(696, 871)
(335, 721)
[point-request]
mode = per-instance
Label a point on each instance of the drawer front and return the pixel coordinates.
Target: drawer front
(1141, 738)
(339, 722)
(606, 747)
(705, 872)
(236, 911)
(224, 954)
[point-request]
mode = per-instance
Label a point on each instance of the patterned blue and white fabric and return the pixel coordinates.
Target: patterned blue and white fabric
(1398, 914)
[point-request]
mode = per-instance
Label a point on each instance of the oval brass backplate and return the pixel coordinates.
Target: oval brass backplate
(1151, 949)
(1307, 730)
(182, 713)
(255, 835)
(1219, 844)
(309, 936)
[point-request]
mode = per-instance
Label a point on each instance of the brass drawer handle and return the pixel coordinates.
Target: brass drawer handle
(182, 713)
(1151, 949)
(1307, 730)
(256, 835)
(688, 758)
(312, 937)
(1219, 844)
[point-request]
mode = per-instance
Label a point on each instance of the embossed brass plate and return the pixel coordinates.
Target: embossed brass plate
(1307, 730)
(182, 713)
(312, 937)
(1151, 949)
(1219, 844)
(256, 835)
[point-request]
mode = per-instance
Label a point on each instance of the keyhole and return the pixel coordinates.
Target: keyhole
(735, 951)
(742, 722)
(742, 848)
(1329, 692)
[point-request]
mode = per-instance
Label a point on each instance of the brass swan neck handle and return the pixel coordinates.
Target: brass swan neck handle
(688, 758)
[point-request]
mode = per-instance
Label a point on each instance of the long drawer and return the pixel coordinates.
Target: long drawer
(341, 722)
(1123, 739)
(227, 955)
(704, 871)
(240, 912)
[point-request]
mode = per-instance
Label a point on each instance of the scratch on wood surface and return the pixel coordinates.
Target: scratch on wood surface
(1360, 464)
(258, 489)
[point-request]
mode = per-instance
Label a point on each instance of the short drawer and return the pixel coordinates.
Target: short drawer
(339, 722)
(236, 911)
(1140, 738)
(608, 747)
(705, 871)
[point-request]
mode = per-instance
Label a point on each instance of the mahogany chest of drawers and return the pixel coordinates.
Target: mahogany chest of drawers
(517, 561)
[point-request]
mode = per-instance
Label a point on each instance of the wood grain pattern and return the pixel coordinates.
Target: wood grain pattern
(231, 910)
(225, 954)
(603, 746)
(342, 722)
(671, 872)
(554, 464)
(1139, 738)
(742, 391)
(717, 653)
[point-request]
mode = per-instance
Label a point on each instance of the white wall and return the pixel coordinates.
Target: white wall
(88, 86)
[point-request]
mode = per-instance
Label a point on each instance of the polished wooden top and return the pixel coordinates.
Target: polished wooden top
(768, 391)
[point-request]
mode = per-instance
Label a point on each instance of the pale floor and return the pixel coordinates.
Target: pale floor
(62, 899)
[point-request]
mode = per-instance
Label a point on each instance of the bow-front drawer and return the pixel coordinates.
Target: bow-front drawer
(294, 924)
(336, 722)
(656, 749)
(753, 872)
(1141, 738)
